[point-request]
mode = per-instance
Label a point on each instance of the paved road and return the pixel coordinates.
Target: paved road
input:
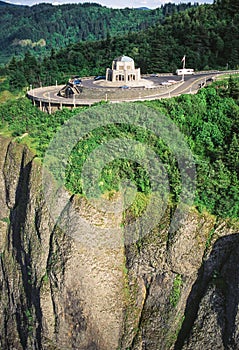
(189, 85)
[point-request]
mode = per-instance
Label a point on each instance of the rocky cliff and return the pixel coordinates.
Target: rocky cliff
(177, 291)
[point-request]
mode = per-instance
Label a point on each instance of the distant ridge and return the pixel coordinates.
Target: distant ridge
(47, 27)
(2, 3)
(142, 8)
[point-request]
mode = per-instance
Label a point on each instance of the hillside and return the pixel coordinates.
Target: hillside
(42, 27)
(207, 34)
(6, 4)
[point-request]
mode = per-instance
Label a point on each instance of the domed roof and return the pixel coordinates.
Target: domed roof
(124, 59)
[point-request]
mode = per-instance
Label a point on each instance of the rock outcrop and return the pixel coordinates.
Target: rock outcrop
(165, 291)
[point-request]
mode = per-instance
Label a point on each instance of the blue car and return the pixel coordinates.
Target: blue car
(100, 77)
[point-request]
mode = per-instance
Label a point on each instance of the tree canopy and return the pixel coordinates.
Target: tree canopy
(207, 34)
(43, 27)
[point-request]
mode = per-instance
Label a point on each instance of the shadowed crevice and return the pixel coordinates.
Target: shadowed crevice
(28, 313)
(221, 270)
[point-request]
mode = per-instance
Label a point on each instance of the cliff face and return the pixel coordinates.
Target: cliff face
(57, 292)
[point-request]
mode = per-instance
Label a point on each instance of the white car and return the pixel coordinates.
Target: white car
(165, 83)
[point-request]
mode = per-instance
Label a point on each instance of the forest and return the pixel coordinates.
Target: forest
(207, 34)
(43, 27)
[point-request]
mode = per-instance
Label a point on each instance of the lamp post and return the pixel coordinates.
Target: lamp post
(49, 98)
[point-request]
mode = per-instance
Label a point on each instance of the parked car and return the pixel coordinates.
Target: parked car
(75, 80)
(165, 83)
(172, 81)
(100, 77)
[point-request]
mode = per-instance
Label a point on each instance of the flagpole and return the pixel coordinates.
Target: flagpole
(184, 59)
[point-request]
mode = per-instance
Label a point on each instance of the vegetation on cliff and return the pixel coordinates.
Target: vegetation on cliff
(209, 121)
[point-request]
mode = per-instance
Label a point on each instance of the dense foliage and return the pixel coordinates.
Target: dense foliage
(209, 121)
(207, 34)
(42, 27)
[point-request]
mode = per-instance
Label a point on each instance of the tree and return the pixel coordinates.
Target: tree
(233, 88)
(232, 157)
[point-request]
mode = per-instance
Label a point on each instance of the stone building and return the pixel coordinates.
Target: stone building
(123, 70)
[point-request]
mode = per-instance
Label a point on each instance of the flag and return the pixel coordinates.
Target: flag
(183, 59)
